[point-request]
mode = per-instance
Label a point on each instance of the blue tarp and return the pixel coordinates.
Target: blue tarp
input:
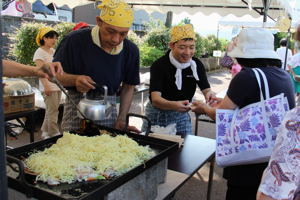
(39, 7)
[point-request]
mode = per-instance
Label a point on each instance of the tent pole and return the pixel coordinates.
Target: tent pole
(266, 4)
(287, 46)
(3, 177)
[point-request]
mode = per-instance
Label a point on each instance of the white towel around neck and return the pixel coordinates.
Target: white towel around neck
(180, 66)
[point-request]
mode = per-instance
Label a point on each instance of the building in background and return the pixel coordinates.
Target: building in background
(37, 10)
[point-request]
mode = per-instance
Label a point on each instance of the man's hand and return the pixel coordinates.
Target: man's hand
(182, 106)
(49, 70)
(56, 68)
(84, 83)
(120, 124)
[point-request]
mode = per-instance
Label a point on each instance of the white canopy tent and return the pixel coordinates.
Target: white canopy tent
(292, 7)
(245, 21)
(223, 7)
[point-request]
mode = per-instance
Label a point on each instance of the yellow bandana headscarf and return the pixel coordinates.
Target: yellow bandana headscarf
(42, 32)
(116, 13)
(182, 32)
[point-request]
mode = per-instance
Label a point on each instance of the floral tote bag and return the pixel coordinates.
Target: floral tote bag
(247, 135)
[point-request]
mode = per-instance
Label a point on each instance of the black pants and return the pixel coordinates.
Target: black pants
(241, 192)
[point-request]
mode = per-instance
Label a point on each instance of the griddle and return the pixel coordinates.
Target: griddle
(25, 183)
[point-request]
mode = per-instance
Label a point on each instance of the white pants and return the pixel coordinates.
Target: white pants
(51, 114)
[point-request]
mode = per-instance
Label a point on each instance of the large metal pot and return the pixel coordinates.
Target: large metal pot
(93, 109)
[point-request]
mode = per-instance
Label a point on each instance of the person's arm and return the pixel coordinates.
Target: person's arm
(14, 69)
(126, 97)
(203, 83)
(209, 95)
(262, 196)
(202, 108)
(164, 104)
(47, 90)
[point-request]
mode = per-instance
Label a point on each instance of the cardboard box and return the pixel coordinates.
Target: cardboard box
(18, 103)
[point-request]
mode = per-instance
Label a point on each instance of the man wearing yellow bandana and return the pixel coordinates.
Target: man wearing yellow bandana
(173, 81)
(100, 56)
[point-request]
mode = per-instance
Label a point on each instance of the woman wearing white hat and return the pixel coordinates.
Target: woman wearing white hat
(254, 48)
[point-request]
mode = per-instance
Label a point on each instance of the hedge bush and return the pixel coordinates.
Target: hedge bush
(133, 37)
(24, 42)
(158, 38)
(63, 29)
(148, 54)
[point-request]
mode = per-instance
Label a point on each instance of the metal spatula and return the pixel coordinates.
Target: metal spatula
(45, 68)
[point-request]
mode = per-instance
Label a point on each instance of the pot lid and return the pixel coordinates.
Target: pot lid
(16, 87)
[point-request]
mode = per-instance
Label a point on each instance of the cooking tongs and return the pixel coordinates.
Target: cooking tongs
(45, 68)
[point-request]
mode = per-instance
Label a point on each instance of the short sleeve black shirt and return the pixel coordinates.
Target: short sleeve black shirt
(162, 79)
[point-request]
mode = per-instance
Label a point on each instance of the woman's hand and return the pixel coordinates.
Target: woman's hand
(214, 102)
(199, 107)
(47, 91)
(262, 196)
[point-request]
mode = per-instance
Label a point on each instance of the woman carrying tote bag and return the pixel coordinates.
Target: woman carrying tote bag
(254, 48)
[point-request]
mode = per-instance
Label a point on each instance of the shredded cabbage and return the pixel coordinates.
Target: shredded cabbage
(102, 153)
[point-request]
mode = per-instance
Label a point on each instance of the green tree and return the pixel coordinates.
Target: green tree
(200, 46)
(186, 21)
(280, 35)
(212, 43)
(63, 29)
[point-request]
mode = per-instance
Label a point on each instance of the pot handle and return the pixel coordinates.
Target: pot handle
(148, 129)
(21, 171)
(105, 94)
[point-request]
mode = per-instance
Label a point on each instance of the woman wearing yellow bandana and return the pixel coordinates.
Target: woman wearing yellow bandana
(104, 56)
(46, 40)
(173, 82)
